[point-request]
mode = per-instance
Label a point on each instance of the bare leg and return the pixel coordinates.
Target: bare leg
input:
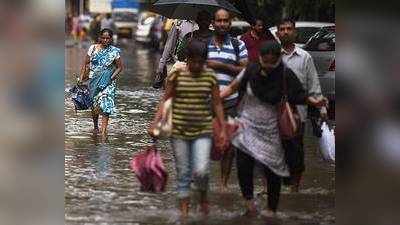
(295, 183)
(95, 118)
(251, 208)
(184, 208)
(204, 203)
(226, 167)
(104, 124)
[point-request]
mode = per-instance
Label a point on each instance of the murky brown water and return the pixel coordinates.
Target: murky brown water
(101, 189)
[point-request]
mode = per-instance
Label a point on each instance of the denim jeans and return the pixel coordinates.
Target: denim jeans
(192, 160)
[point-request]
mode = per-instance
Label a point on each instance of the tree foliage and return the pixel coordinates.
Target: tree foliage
(311, 10)
(271, 11)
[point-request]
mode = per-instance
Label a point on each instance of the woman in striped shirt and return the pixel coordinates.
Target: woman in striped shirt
(195, 93)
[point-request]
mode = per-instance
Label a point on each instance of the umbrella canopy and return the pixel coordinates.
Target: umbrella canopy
(150, 171)
(188, 9)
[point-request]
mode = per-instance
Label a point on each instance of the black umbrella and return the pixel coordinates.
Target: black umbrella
(188, 9)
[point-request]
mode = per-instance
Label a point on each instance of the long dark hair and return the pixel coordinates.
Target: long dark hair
(196, 48)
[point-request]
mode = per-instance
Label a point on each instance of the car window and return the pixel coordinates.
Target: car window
(323, 40)
(305, 33)
(147, 21)
(236, 31)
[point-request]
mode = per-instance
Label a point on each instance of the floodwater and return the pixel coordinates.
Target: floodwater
(101, 189)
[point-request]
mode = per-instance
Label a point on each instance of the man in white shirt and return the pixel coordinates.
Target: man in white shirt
(303, 66)
(178, 31)
(108, 22)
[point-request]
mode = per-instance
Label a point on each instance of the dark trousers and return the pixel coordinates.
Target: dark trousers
(245, 167)
(294, 156)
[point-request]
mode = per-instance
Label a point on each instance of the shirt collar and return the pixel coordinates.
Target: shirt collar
(295, 52)
(226, 40)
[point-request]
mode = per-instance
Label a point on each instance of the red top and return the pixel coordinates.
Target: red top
(253, 45)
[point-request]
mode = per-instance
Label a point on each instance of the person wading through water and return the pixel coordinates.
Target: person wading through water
(227, 56)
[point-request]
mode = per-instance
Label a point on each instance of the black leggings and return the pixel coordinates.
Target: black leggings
(245, 167)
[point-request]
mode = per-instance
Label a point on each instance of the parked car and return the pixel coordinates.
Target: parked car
(145, 23)
(126, 23)
(305, 30)
(239, 27)
(321, 46)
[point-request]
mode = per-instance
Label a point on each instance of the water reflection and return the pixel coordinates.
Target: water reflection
(100, 159)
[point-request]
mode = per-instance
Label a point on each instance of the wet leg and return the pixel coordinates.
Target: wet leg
(184, 207)
(226, 167)
(95, 118)
(104, 125)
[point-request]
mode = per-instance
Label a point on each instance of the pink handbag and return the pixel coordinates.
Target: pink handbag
(288, 117)
(219, 147)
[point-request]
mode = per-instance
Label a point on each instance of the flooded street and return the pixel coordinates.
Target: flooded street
(101, 189)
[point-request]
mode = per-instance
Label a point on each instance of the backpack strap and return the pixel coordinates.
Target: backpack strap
(284, 83)
(235, 43)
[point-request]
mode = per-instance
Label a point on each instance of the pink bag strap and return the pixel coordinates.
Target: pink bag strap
(284, 84)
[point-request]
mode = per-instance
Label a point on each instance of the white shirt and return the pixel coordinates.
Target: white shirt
(302, 64)
(107, 23)
(178, 31)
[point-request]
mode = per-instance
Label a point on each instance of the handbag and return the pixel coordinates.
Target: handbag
(288, 117)
(81, 97)
(219, 147)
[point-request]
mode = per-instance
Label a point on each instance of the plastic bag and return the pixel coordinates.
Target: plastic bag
(327, 143)
(150, 171)
(163, 128)
(81, 97)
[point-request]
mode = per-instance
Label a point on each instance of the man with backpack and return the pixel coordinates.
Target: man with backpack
(227, 56)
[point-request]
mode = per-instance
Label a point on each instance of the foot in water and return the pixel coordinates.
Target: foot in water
(223, 188)
(184, 208)
(204, 208)
(95, 131)
(268, 213)
(104, 137)
(250, 213)
(251, 210)
(294, 188)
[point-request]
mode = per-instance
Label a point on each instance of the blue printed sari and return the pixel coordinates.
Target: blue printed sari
(101, 87)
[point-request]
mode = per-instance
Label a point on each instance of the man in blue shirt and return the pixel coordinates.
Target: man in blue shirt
(228, 57)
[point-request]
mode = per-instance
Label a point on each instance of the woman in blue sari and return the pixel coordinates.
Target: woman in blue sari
(102, 66)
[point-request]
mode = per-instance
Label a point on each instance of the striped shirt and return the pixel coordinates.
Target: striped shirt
(226, 54)
(192, 106)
